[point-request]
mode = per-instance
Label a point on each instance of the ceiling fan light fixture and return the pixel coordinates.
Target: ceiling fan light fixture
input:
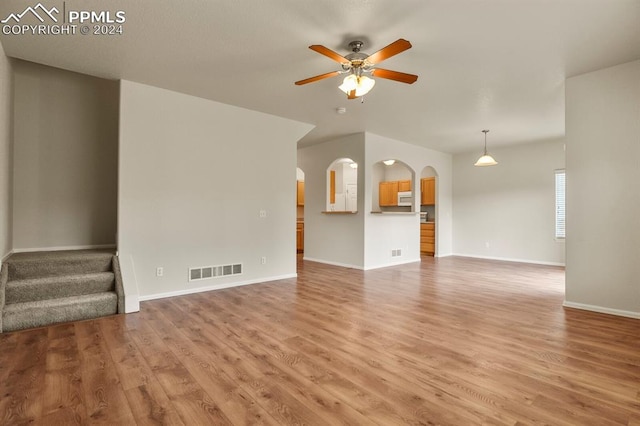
(361, 84)
(389, 162)
(355, 84)
(486, 159)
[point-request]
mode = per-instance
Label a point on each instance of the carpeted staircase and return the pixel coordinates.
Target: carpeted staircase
(42, 288)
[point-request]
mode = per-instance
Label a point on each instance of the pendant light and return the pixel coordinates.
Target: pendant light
(486, 159)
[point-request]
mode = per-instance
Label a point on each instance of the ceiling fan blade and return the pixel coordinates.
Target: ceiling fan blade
(329, 53)
(394, 75)
(351, 94)
(317, 77)
(393, 49)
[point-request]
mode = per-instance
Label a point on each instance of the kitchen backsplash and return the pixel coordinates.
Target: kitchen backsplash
(431, 211)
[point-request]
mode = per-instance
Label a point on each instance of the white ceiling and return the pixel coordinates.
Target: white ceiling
(483, 64)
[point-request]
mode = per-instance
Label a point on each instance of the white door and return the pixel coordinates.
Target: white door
(352, 197)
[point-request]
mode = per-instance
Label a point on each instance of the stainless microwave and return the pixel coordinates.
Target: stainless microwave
(405, 198)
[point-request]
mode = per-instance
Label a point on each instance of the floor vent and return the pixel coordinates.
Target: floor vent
(396, 252)
(206, 272)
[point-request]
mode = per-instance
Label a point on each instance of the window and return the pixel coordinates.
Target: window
(560, 204)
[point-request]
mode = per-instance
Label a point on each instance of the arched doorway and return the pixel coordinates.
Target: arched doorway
(342, 186)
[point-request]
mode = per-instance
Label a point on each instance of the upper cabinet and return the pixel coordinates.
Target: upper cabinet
(388, 194)
(300, 193)
(428, 191)
(404, 186)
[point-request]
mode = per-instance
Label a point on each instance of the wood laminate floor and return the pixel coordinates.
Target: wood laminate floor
(449, 341)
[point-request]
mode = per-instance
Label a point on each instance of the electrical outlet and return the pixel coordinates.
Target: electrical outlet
(159, 271)
(263, 213)
(263, 260)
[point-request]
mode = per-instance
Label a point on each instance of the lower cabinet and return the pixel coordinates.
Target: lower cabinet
(299, 237)
(428, 238)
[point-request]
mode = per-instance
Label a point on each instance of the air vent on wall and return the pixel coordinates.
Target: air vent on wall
(396, 252)
(206, 272)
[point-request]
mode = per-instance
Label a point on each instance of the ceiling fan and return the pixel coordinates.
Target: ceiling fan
(355, 64)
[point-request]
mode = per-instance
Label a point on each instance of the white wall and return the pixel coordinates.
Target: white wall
(65, 158)
(194, 175)
(6, 125)
(332, 238)
(396, 171)
(386, 232)
(603, 190)
(510, 206)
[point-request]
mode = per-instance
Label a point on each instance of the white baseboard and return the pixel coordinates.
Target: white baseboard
(442, 255)
(60, 248)
(386, 265)
(361, 268)
(329, 262)
(602, 309)
(509, 259)
(5, 257)
(213, 287)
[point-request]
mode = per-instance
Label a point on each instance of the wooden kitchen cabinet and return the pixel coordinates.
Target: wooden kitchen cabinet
(300, 193)
(332, 187)
(428, 191)
(404, 186)
(428, 238)
(300, 237)
(388, 194)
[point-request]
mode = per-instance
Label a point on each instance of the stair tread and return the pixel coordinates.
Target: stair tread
(59, 302)
(20, 316)
(22, 266)
(59, 278)
(55, 256)
(58, 286)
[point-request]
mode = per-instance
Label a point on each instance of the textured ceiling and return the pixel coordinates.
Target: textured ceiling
(494, 64)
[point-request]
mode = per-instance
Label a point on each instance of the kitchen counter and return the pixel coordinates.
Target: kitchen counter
(396, 213)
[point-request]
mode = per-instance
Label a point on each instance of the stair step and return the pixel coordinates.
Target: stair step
(23, 266)
(32, 289)
(18, 316)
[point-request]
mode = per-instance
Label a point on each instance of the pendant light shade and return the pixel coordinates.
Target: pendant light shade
(486, 159)
(361, 84)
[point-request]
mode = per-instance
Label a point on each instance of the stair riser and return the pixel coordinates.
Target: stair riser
(42, 316)
(26, 270)
(52, 288)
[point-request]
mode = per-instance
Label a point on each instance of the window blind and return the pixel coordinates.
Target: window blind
(560, 204)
